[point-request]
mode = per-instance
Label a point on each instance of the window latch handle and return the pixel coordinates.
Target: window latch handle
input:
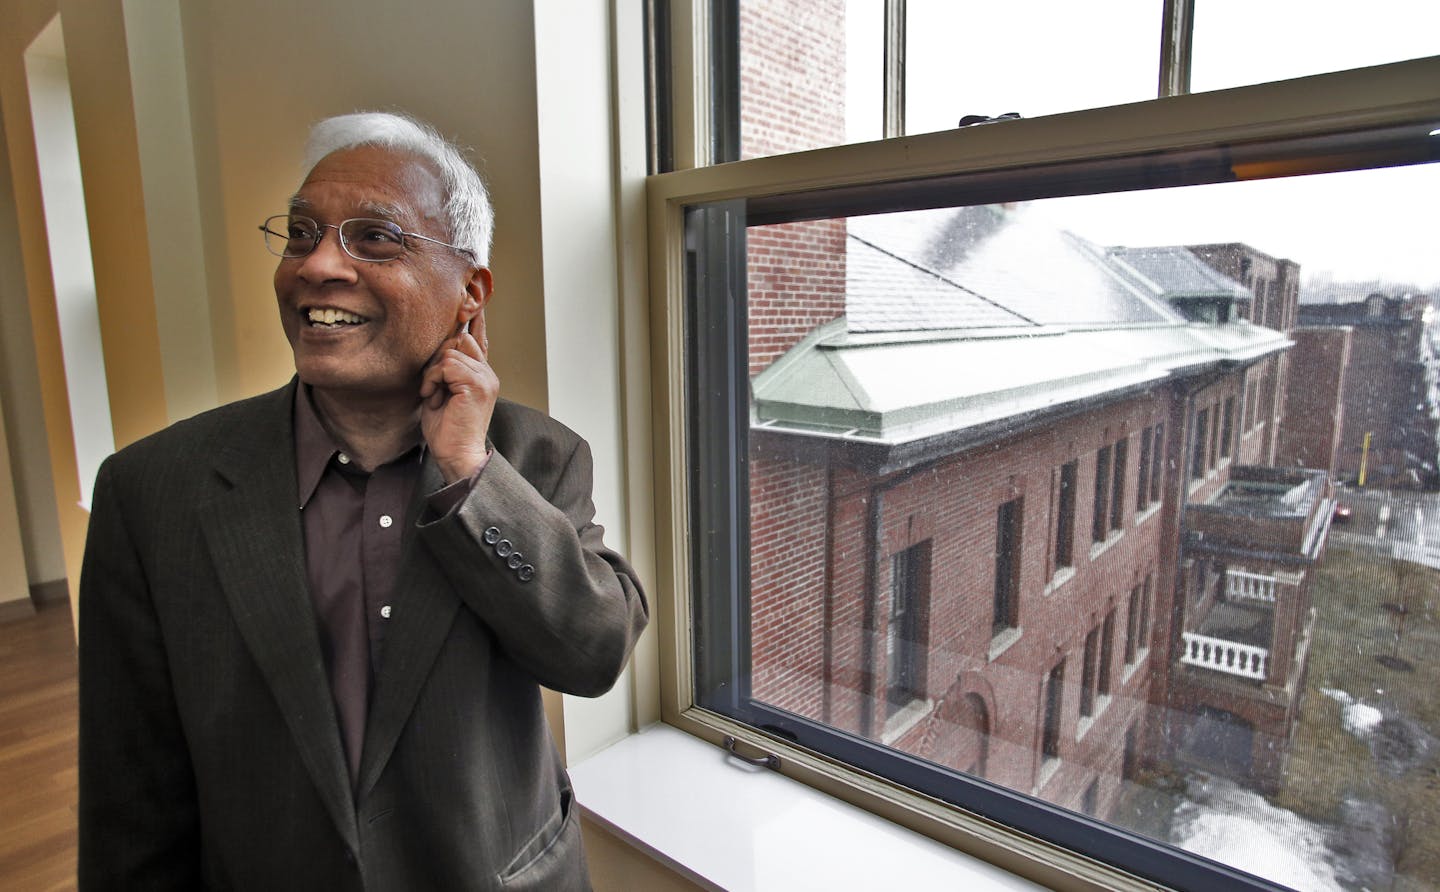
(768, 760)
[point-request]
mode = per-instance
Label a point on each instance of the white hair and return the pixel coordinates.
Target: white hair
(467, 209)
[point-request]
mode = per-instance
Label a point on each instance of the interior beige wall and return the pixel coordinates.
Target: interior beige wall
(36, 524)
(262, 71)
(24, 19)
(617, 866)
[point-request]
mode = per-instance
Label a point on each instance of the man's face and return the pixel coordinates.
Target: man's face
(393, 316)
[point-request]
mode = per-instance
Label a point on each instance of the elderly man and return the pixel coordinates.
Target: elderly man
(314, 623)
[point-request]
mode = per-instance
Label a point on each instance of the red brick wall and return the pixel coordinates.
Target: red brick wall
(792, 98)
(795, 278)
(789, 507)
(1311, 435)
(792, 75)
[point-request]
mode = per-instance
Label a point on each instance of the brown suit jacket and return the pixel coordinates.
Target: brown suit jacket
(210, 755)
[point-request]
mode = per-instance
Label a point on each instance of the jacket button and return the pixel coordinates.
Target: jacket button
(515, 560)
(526, 573)
(504, 547)
(491, 535)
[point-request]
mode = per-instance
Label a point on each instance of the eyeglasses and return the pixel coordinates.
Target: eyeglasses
(374, 241)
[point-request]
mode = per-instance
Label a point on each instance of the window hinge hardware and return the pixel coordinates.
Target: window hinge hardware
(768, 760)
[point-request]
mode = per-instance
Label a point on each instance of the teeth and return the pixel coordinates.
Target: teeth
(330, 316)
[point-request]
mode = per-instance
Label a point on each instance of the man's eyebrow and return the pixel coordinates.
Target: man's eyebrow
(379, 209)
(386, 211)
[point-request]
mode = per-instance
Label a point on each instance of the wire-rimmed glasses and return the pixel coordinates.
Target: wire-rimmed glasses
(373, 241)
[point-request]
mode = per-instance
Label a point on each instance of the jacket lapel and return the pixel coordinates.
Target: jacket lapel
(425, 608)
(255, 538)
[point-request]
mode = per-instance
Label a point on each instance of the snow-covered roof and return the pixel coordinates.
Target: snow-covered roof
(963, 318)
(1173, 273)
(990, 256)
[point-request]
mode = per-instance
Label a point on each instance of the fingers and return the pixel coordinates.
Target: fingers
(457, 368)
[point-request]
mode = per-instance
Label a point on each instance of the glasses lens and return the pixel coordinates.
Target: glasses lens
(372, 239)
(289, 235)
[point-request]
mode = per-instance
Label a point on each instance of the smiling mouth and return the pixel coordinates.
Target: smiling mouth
(331, 318)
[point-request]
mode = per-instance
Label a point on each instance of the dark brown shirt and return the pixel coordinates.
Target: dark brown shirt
(353, 522)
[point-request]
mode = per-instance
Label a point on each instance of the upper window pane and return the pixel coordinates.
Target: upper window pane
(1241, 42)
(1038, 57)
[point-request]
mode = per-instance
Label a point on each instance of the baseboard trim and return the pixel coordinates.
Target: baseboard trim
(11, 611)
(56, 591)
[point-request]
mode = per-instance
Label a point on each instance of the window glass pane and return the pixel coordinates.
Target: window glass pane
(1238, 659)
(1240, 42)
(1038, 57)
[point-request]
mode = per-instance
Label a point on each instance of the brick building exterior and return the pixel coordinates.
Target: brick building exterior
(1385, 392)
(1012, 578)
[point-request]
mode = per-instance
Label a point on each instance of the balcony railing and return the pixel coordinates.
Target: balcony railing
(1229, 657)
(1242, 586)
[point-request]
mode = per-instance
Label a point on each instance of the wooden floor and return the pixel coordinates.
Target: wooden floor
(37, 751)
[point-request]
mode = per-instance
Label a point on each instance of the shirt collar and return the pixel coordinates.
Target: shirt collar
(314, 447)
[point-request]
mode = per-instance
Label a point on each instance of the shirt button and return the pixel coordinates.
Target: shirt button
(385, 612)
(385, 521)
(343, 458)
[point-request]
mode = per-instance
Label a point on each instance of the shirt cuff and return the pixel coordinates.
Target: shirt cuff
(447, 500)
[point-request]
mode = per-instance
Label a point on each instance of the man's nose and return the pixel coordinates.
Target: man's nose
(328, 261)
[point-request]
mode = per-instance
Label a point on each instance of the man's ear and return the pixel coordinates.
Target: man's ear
(478, 289)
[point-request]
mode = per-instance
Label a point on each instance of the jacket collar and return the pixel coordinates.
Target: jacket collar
(255, 538)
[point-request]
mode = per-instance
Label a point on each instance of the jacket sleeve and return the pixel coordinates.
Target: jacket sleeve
(138, 811)
(535, 569)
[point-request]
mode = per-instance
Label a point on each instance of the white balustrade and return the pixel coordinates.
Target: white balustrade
(1229, 657)
(1242, 586)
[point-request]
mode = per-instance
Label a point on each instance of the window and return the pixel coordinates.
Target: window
(1007, 566)
(1227, 436)
(1158, 466)
(1107, 654)
(1087, 672)
(1142, 472)
(1144, 638)
(1117, 494)
(1054, 706)
(1197, 457)
(1132, 626)
(1100, 522)
(905, 635)
(1065, 515)
(1214, 449)
(917, 396)
(1090, 801)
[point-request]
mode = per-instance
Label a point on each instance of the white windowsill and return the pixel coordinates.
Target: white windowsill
(730, 826)
(1062, 576)
(901, 722)
(1003, 642)
(1099, 548)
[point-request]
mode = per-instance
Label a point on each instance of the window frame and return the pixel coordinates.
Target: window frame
(1399, 94)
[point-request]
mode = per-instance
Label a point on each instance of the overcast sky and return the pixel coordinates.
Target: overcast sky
(1048, 56)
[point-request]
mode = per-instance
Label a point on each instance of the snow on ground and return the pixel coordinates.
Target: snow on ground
(1220, 820)
(1359, 719)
